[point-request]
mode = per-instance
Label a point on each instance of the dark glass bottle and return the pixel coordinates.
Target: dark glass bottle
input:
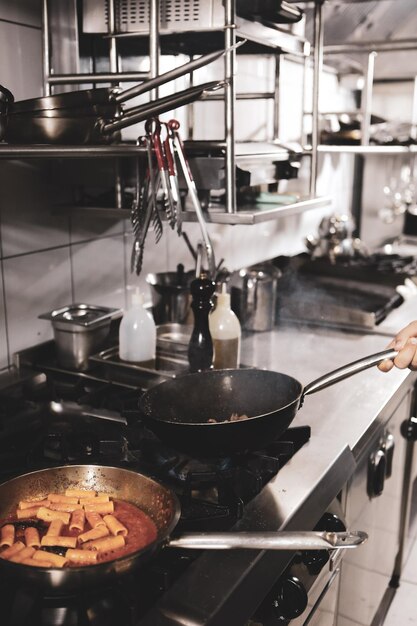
(200, 348)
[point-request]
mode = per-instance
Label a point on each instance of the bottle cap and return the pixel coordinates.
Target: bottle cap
(223, 298)
(137, 297)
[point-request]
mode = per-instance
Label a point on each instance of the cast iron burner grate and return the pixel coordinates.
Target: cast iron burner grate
(213, 492)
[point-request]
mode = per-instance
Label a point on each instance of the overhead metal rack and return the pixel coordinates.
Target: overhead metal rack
(273, 39)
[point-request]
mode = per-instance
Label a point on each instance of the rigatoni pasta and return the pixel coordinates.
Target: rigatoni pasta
(114, 526)
(77, 520)
(7, 536)
(94, 519)
(32, 538)
(77, 535)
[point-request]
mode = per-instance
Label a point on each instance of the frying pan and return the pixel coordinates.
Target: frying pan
(69, 128)
(160, 503)
(178, 410)
(113, 95)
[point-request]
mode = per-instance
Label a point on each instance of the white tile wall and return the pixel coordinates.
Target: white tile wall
(34, 284)
(28, 214)
(98, 271)
(20, 46)
(89, 257)
(3, 336)
(22, 12)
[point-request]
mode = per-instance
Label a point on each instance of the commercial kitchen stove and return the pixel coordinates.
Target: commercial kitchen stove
(352, 292)
(236, 493)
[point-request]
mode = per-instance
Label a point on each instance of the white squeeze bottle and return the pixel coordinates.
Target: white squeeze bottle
(137, 333)
(225, 333)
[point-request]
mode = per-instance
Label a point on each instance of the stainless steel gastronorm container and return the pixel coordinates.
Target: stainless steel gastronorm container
(80, 330)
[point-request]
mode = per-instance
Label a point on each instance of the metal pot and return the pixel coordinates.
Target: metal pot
(253, 296)
(80, 330)
(171, 297)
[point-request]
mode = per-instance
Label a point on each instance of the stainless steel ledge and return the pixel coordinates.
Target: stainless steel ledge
(255, 214)
(366, 149)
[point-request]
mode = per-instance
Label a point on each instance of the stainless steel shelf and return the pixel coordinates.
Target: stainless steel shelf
(273, 37)
(253, 31)
(244, 150)
(262, 212)
(8, 151)
(245, 215)
(366, 149)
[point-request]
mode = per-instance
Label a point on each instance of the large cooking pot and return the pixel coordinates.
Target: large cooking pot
(155, 500)
(192, 412)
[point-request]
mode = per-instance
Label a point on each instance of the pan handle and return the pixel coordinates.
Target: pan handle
(152, 109)
(348, 370)
(177, 72)
(72, 408)
(281, 540)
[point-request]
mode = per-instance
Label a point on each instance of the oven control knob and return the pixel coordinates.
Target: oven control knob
(315, 560)
(330, 523)
(409, 429)
(289, 598)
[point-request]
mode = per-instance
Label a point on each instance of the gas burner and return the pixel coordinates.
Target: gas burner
(105, 607)
(214, 491)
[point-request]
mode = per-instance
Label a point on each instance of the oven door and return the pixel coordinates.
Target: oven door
(307, 592)
(373, 502)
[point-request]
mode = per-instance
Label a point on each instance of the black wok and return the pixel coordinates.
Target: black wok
(159, 503)
(178, 410)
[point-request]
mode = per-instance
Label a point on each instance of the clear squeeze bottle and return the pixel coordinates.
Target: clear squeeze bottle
(225, 333)
(200, 348)
(137, 333)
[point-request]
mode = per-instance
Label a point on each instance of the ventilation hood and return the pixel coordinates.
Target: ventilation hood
(359, 22)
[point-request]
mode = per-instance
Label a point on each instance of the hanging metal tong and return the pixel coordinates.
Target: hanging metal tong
(173, 126)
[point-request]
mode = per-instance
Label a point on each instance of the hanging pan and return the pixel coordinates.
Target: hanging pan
(95, 115)
(66, 128)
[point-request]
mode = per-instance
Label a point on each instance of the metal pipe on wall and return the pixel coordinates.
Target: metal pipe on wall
(154, 44)
(46, 52)
(317, 69)
(277, 58)
(366, 103)
(114, 68)
(230, 97)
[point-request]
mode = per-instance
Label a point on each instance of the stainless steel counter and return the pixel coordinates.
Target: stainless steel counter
(344, 412)
(341, 417)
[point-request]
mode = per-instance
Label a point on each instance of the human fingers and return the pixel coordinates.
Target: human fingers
(386, 365)
(401, 339)
(407, 356)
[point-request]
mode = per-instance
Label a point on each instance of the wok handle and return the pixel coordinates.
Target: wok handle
(348, 370)
(72, 408)
(281, 540)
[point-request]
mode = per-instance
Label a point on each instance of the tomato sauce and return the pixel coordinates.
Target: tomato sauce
(142, 531)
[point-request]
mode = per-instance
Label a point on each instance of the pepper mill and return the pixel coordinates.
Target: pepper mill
(200, 348)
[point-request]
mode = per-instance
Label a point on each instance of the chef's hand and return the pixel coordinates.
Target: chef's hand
(406, 344)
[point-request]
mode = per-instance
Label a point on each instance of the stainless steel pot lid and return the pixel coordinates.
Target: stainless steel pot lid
(85, 315)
